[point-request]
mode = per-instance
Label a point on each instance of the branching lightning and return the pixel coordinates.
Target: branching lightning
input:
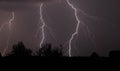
(43, 26)
(77, 27)
(10, 29)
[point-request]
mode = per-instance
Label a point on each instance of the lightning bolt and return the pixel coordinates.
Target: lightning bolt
(77, 27)
(42, 28)
(11, 20)
(43, 25)
(10, 29)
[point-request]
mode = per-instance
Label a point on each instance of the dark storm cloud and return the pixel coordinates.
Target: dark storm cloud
(26, 0)
(60, 18)
(14, 5)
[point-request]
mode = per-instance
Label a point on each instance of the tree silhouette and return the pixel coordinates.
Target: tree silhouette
(20, 50)
(114, 54)
(94, 55)
(48, 51)
(0, 55)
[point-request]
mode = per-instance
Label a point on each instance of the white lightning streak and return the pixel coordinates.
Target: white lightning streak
(11, 20)
(77, 27)
(43, 26)
(10, 29)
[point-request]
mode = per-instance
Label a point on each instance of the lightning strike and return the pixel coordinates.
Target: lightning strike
(10, 29)
(43, 25)
(11, 20)
(77, 26)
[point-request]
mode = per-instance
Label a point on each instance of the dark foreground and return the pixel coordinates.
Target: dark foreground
(58, 60)
(20, 55)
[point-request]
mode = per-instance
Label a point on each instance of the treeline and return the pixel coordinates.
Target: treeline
(46, 50)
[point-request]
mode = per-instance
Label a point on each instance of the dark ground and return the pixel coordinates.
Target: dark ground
(58, 60)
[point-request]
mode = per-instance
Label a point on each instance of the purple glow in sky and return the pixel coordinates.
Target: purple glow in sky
(98, 30)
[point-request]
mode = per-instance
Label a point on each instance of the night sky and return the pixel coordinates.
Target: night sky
(98, 31)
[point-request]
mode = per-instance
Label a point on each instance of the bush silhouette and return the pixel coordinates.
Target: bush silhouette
(20, 50)
(48, 51)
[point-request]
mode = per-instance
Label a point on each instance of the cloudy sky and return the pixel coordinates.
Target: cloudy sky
(98, 31)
